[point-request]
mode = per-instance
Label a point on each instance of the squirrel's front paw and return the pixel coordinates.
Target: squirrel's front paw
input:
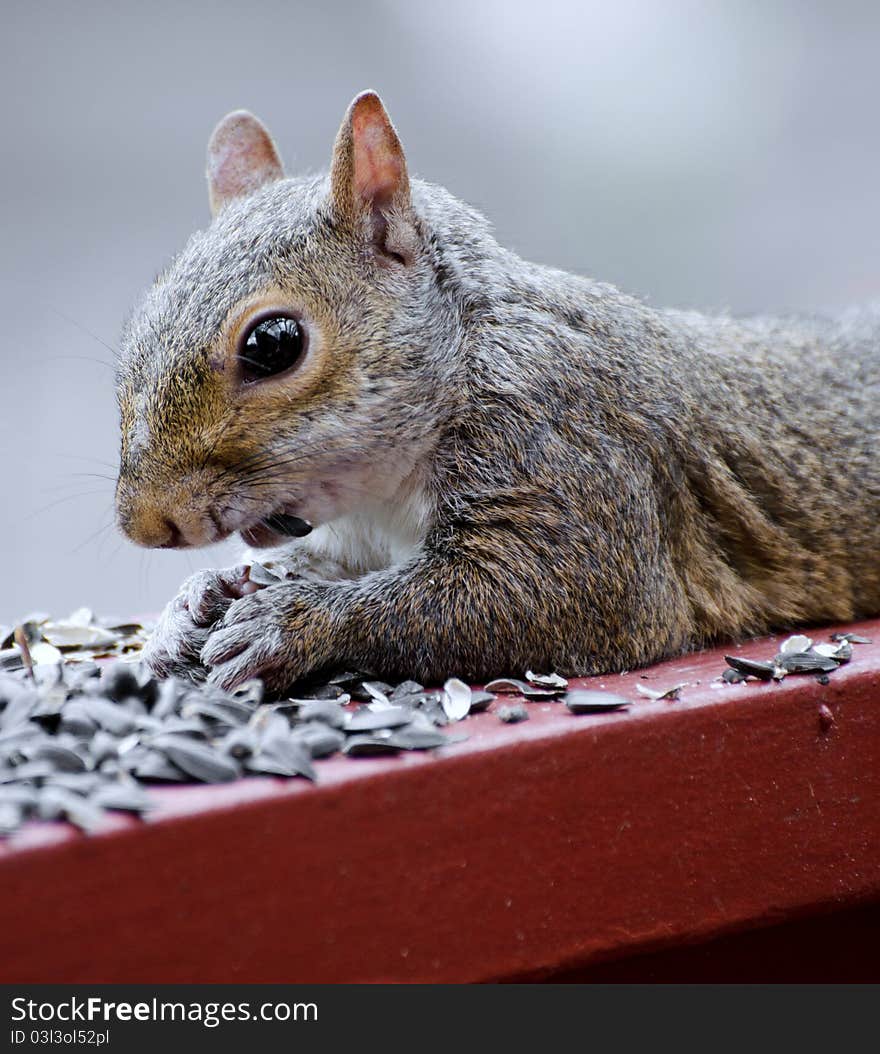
(278, 634)
(176, 643)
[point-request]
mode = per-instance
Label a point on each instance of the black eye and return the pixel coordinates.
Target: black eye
(271, 346)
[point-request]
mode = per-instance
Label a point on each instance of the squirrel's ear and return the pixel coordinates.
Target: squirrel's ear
(368, 179)
(241, 159)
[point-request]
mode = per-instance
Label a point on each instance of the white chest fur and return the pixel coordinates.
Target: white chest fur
(378, 534)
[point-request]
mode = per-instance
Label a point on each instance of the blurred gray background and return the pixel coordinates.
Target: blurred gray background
(719, 155)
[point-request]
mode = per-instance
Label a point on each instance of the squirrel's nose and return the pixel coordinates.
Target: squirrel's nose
(175, 539)
(153, 524)
(152, 531)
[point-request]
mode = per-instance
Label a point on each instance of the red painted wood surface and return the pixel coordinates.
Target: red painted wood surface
(527, 851)
(839, 947)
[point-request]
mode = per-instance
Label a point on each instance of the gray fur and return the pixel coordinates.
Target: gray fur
(608, 483)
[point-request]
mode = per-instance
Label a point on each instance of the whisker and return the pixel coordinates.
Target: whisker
(92, 475)
(80, 358)
(60, 501)
(84, 329)
(56, 487)
(95, 534)
(119, 543)
(80, 457)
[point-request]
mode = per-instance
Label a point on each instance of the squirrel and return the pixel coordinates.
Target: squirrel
(458, 462)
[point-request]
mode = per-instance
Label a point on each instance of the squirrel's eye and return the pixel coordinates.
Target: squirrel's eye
(271, 346)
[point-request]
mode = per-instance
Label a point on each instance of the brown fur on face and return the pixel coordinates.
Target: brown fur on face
(295, 437)
(507, 466)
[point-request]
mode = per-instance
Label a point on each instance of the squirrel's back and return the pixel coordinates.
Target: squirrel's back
(761, 433)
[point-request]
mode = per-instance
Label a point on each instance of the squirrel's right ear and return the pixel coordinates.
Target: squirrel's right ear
(369, 185)
(241, 159)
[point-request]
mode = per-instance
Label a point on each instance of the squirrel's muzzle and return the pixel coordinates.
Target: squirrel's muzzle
(167, 521)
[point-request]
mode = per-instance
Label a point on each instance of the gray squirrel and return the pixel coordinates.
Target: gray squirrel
(462, 463)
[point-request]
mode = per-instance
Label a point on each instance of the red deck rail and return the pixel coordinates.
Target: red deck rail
(537, 850)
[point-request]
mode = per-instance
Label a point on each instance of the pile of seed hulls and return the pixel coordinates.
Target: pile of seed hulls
(79, 739)
(76, 740)
(80, 637)
(797, 654)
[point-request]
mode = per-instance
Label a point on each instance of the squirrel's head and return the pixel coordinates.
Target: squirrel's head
(286, 364)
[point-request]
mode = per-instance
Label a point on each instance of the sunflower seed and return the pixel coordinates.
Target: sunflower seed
(266, 765)
(795, 645)
(24, 794)
(215, 713)
(11, 817)
(25, 732)
(358, 690)
(146, 725)
(668, 693)
(148, 687)
(431, 707)
(182, 726)
(78, 782)
(841, 651)
(10, 659)
(122, 797)
(547, 680)
(103, 746)
(512, 714)
(61, 757)
(71, 634)
(155, 766)
(272, 724)
(480, 701)
(292, 526)
(111, 717)
(807, 662)
(506, 685)
(240, 743)
(346, 678)
(170, 692)
(196, 760)
(260, 575)
(369, 746)
(249, 694)
(764, 671)
(320, 740)
(378, 692)
(456, 699)
(56, 803)
(510, 686)
(370, 720)
(406, 690)
(44, 654)
(414, 738)
(120, 681)
(14, 745)
(28, 771)
(324, 710)
(76, 720)
(294, 755)
(586, 701)
(19, 709)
